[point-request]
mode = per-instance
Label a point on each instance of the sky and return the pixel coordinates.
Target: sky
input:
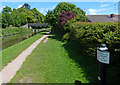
(91, 8)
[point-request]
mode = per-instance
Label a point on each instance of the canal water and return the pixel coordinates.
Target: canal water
(8, 41)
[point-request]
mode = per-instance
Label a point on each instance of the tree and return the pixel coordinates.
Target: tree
(4, 21)
(23, 19)
(18, 18)
(21, 16)
(6, 10)
(50, 18)
(26, 6)
(38, 17)
(65, 16)
(27, 13)
(53, 17)
(6, 16)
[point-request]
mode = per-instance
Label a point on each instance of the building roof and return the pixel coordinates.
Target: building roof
(103, 18)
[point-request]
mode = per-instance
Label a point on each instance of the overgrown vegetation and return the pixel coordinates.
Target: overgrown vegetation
(92, 35)
(20, 16)
(14, 30)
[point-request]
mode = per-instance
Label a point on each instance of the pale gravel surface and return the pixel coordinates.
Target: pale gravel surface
(10, 70)
(45, 40)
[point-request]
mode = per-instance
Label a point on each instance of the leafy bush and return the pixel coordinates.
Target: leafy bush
(91, 35)
(93, 31)
(65, 16)
(14, 30)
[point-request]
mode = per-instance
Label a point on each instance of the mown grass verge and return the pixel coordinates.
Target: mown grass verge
(50, 63)
(12, 52)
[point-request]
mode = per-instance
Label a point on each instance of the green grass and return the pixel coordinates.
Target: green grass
(50, 63)
(12, 52)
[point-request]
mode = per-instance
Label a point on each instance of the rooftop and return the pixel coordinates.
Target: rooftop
(103, 18)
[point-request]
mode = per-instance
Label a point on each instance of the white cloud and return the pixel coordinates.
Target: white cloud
(92, 11)
(19, 6)
(99, 10)
(95, 11)
(104, 5)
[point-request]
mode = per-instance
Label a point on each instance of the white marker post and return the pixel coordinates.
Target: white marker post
(103, 56)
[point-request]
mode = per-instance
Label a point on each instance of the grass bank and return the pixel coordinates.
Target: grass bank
(50, 63)
(12, 52)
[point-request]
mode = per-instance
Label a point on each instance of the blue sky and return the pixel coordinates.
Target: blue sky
(91, 8)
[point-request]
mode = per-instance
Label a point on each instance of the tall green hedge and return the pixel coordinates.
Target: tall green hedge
(91, 35)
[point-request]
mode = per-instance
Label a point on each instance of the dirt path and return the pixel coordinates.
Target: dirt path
(10, 70)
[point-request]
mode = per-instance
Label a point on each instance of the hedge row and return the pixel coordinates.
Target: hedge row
(92, 35)
(14, 30)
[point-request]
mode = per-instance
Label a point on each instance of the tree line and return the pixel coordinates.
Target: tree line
(57, 18)
(20, 16)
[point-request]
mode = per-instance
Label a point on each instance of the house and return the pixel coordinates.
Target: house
(103, 18)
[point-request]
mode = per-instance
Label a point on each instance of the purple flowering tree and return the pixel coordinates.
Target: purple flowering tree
(65, 16)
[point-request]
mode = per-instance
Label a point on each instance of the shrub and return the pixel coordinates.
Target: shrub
(65, 16)
(92, 35)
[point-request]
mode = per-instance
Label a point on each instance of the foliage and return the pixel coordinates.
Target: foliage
(38, 17)
(6, 19)
(94, 34)
(53, 17)
(26, 6)
(7, 10)
(65, 16)
(50, 18)
(20, 16)
(14, 30)
(93, 31)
